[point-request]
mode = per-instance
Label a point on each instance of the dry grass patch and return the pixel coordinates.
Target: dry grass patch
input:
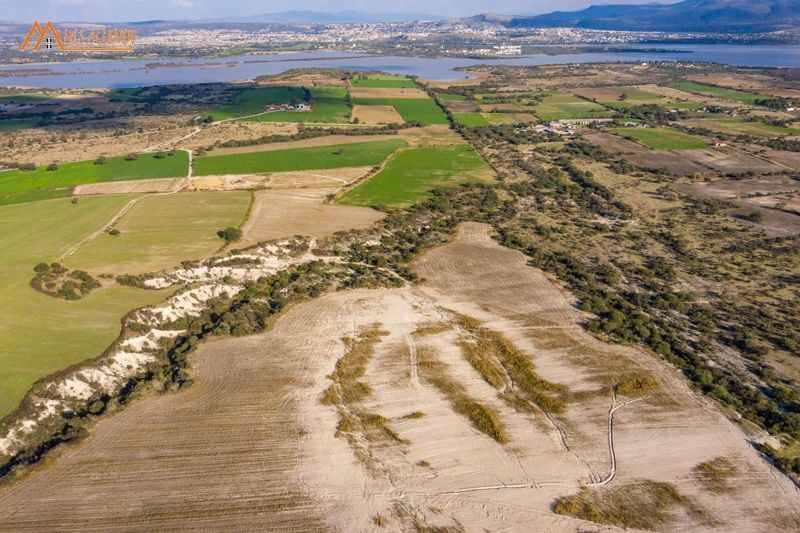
(482, 417)
(505, 368)
(646, 505)
(637, 385)
(715, 475)
(358, 426)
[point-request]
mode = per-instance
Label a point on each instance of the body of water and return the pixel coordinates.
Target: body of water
(134, 73)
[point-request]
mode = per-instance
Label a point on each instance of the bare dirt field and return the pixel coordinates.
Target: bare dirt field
(685, 162)
(773, 222)
(387, 92)
(462, 106)
(281, 180)
(371, 409)
(791, 160)
(123, 187)
(729, 159)
(738, 188)
(284, 213)
(645, 157)
(376, 114)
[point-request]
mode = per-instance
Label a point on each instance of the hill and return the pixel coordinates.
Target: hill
(718, 16)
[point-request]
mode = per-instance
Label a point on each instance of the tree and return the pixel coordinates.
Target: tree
(52, 166)
(101, 160)
(230, 234)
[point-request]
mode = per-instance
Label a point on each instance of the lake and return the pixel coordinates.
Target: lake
(133, 73)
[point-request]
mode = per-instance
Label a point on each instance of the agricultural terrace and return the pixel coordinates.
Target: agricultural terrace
(382, 80)
(562, 106)
(411, 174)
(252, 101)
(316, 157)
(41, 334)
(717, 92)
(422, 110)
(329, 105)
(661, 138)
(17, 186)
(160, 231)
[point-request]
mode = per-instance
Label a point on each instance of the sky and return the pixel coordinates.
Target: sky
(131, 10)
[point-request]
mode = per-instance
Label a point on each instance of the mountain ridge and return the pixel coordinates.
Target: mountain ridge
(707, 16)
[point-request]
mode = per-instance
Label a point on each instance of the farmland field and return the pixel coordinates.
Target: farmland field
(251, 101)
(378, 80)
(718, 92)
(422, 110)
(411, 174)
(448, 97)
(732, 125)
(316, 157)
(329, 105)
(472, 119)
(561, 106)
(18, 186)
(40, 334)
(160, 231)
(661, 138)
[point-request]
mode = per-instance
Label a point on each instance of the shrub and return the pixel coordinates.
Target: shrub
(52, 166)
(230, 234)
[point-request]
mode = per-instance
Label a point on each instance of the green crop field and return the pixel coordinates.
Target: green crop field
(420, 109)
(329, 106)
(561, 106)
(315, 157)
(18, 186)
(411, 174)
(160, 231)
(40, 334)
(381, 80)
(448, 97)
(732, 125)
(472, 119)
(718, 92)
(251, 101)
(661, 138)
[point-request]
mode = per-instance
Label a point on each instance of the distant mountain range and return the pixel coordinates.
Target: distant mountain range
(709, 16)
(318, 17)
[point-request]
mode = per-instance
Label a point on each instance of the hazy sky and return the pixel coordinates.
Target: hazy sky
(125, 10)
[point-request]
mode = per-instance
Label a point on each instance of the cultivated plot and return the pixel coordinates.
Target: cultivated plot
(717, 92)
(562, 106)
(663, 138)
(316, 157)
(44, 182)
(40, 334)
(410, 175)
(160, 231)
